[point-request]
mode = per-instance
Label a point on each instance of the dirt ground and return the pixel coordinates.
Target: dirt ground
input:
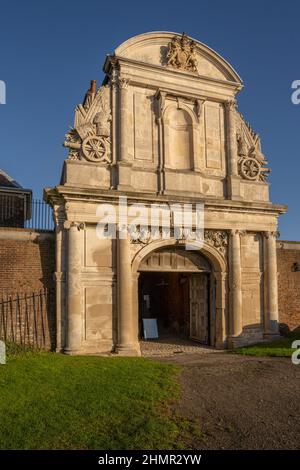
(241, 402)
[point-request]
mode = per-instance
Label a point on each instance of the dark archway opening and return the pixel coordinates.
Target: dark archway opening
(166, 296)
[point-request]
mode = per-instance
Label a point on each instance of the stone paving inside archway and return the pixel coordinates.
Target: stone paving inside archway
(172, 346)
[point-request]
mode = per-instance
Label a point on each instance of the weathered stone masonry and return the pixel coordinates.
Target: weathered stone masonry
(164, 127)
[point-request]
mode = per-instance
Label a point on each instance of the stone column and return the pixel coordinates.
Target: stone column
(60, 274)
(233, 177)
(270, 285)
(236, 323)
(124, 163)
(128, 344)
(74, 290)
(59, 277)
(220, 278)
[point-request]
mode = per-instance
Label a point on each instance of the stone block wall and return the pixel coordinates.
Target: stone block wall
(288, 253)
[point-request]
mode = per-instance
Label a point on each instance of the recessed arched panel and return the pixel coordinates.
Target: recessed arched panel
(178, 132)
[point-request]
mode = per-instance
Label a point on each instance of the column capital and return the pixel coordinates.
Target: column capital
(239, 232)
(271, 234)
(220, 275)
(69, 224)
(230, 105)
(123, 82)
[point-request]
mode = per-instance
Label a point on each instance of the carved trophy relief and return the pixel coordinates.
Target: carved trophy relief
(182, 53)
(217, 238)
(251, 160)
(90, 138)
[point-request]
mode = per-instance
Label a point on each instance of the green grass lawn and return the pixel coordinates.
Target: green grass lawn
(51, 401)
(280, 348)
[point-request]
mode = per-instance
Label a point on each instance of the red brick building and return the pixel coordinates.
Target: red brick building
(15, 202)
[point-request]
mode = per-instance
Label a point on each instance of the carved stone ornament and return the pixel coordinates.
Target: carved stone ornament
(142, 235)
(90, 137)
(251, 160)
(94, 148)
(274, 234)
(139, 234)
(217, 238)
(182, 54)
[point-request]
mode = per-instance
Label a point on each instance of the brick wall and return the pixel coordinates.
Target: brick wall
(27, 266)
(288, 253)
(27, 260)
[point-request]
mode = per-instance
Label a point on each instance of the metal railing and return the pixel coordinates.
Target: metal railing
(27, 320)
(41, 216)
(20, 212)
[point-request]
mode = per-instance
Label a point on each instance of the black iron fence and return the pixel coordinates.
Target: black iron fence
(27, 320)
(41, 216)
(22, 212)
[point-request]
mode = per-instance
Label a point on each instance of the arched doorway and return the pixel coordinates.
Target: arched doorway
(185, 290)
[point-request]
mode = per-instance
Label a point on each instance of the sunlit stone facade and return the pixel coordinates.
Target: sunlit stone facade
(164, 128)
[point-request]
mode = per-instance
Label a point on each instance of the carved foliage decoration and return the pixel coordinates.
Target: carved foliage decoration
(217, 238)
(90, 137)
(142, 236)
(182, 53)
(251, 160)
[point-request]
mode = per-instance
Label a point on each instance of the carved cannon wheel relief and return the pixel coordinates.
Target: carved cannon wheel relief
(94, 149)
(250, 168)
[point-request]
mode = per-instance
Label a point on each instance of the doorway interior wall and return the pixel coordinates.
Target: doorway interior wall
(180, 303)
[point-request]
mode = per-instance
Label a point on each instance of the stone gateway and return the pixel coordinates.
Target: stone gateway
(164, 128)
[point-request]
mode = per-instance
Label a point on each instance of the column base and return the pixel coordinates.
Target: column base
(130, 350)
(71, 352)
(221, 345)
(236, 342)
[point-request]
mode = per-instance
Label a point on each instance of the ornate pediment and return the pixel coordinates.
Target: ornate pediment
(90, 137)
(177, 52)
(252, 162)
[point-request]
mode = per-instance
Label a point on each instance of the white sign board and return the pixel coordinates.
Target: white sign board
(150, 328)
(2, 353)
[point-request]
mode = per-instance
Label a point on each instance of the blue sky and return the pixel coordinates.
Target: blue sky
(50, 50)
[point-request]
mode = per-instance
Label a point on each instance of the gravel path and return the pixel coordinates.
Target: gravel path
(241, 402)
(171, 347)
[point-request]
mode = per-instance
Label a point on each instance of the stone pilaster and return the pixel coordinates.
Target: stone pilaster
(233, 178)
(128, 344)
(114, 87)
(270, 285)
(236, 313)
(74, 295)
(125, 160)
